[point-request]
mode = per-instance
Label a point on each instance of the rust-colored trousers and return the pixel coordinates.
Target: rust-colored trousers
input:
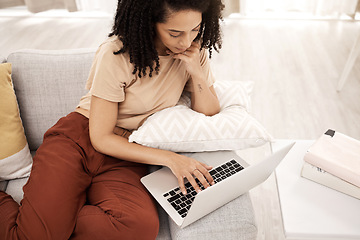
(75, 192)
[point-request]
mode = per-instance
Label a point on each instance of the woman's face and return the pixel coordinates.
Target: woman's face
(178, 32)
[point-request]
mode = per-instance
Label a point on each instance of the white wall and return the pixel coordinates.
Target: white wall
(97, 5)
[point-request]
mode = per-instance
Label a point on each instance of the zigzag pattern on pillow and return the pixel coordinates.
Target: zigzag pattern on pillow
(183, 124)
(181, 129)
(232, 93)
(229, 93)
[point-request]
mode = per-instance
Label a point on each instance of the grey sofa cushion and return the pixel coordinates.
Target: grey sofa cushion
(3, 185)
(48, 85)
(164, 231)
(235, 220)
(14, 188)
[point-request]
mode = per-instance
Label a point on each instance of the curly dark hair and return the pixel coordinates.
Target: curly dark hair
(134, 25)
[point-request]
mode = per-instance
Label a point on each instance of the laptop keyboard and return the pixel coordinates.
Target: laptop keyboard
(181, 203)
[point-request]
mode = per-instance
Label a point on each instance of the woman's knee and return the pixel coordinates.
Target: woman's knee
(95, 223)
(148, 224)
(142, 224)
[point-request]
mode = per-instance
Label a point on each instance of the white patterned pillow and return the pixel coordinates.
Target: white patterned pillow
(229, 93)
(180, 129)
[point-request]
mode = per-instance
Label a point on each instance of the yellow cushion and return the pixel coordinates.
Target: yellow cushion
(15, 158)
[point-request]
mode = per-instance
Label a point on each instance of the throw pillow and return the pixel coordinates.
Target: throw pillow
(15, 157)
(229, 93)
(180, 129)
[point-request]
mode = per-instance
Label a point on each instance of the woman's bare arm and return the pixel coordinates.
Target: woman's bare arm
(203, 98)
(102, 120)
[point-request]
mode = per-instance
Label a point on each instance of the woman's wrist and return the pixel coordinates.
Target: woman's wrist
(198, 83)
(167, 158)
(198, 78)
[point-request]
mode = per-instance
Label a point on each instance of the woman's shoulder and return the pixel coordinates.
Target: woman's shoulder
(106, 52)
(112, 44)
(105, 58)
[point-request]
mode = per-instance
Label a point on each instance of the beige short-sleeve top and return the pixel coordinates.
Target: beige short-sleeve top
(111, 78)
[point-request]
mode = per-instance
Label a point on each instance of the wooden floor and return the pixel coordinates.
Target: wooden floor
(295, 65)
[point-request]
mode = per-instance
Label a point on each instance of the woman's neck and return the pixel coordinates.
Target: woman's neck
(160, 47)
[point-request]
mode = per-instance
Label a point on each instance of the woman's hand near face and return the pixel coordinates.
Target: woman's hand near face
(203, 98)
(191, 57)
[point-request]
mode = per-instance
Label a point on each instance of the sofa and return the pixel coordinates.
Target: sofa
(48, 85)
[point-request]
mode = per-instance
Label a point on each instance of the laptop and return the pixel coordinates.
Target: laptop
(232, 176)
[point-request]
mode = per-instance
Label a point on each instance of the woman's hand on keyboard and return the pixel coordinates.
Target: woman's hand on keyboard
(189, 168)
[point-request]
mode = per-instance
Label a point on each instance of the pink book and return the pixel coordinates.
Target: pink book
(337, 154)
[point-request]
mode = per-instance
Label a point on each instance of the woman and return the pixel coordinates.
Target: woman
(85, 180)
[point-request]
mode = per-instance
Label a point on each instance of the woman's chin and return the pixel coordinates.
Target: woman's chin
(178, 50)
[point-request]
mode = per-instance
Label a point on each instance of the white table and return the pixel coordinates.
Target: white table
(310, 210)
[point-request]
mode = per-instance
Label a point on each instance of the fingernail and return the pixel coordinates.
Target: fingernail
(184, 193)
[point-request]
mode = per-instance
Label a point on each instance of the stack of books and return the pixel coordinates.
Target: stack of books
(334, 161)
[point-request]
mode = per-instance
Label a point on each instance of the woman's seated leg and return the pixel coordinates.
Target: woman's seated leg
(119, 206)
(53, 195)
